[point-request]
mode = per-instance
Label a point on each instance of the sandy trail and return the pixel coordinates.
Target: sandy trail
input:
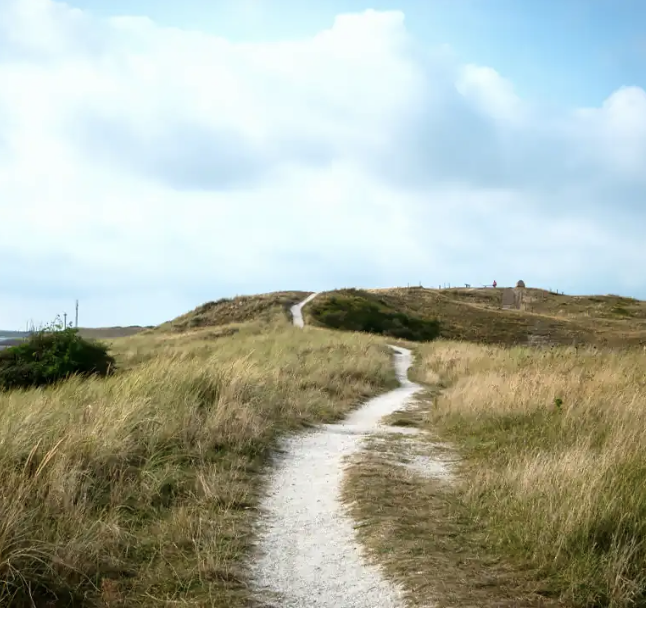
(297, 310)
(308, 555)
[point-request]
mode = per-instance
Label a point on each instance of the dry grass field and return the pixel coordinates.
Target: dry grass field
(141, 489)
(547, 501)
(558, 443)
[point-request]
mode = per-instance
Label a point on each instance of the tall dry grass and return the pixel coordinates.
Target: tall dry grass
(555, 460)
(140, 490)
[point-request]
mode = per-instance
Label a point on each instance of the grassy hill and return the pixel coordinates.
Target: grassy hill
(475, 315)
(222, 312)
(464, 314)
(235, 311)
(543, 302)
(153, 475)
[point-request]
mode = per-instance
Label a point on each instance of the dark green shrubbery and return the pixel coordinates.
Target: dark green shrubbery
(360, 312)
(52, 354)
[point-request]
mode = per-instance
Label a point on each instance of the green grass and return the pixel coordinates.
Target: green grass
(363, 312)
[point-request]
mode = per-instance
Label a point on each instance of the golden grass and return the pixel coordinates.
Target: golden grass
(554, 448)
(141, 489)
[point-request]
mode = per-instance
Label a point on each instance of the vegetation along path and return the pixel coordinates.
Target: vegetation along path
(308, 553)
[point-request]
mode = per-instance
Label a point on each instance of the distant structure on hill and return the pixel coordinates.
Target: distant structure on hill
(508, 299)
(512, 298)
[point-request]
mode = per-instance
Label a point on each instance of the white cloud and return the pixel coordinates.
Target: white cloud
(617, 131)
(173, 167)
(493, 94)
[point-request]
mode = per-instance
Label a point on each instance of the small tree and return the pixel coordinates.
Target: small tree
(50, 354)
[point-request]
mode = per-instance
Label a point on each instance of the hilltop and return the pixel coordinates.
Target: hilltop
(476, 315)
(222, 312)
(236, 310)
(463, 314)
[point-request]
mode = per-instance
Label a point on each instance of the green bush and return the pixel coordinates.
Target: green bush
(355, 310)
(52, 354)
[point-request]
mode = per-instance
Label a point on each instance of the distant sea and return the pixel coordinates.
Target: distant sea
(3, 339)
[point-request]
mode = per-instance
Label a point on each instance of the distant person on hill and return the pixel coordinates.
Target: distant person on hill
(494, 283)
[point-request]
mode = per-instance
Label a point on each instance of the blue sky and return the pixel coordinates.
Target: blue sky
(571, 52)
(210, 148)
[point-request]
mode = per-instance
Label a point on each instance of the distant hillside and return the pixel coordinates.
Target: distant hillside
(609, 306)
(110, 332)
(236, 310)
(211, 314)
(11, 334)
(467, 314)
(475, 314)
(7, 343)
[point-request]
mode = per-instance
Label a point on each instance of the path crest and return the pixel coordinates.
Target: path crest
(297, 310)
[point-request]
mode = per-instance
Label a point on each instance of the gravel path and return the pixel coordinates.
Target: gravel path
(297, 310)
(308, 555)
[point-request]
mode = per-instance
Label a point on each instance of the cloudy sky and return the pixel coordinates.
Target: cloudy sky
(155, 155)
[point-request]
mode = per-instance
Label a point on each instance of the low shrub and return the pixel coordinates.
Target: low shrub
(357, 311)
(52, 354)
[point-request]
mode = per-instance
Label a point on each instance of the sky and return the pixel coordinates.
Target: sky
(155, 155)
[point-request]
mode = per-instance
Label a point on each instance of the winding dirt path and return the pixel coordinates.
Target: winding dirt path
(308, 554)
(297, 310)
